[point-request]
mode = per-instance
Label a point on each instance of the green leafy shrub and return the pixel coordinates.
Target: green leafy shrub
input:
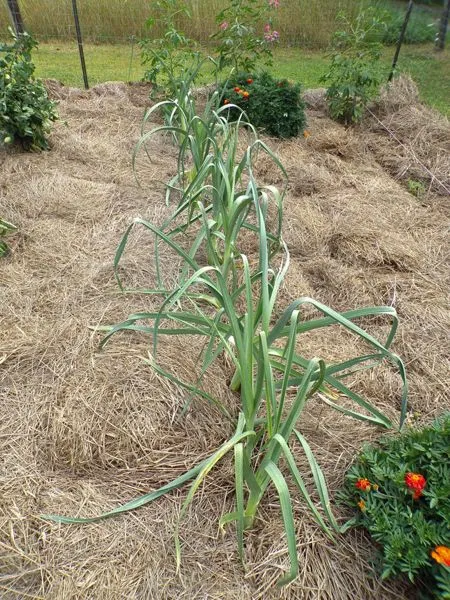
(173, 59)
(240, 44)
(5, 229)
(402, 489)
(25, 109)
(273, 105)
(355, 73)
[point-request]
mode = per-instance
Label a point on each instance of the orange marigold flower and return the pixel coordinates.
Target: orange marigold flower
(306, 134)
(362, 505)
(415, 481)
(250, 80)
(226, 101)
(245, 94)
(441, 555)
(363, 485)
(237, 89)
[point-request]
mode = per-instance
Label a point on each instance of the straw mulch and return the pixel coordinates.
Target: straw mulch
(82, 431)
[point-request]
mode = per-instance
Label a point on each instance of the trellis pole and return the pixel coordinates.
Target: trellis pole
(80, 43)
(400, 39)
(16, 16)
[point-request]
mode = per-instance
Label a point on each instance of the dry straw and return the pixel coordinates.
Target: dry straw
(90, 430)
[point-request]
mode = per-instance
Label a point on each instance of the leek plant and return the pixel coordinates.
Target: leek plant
(5, 229)
(233, 308)
(211, 186)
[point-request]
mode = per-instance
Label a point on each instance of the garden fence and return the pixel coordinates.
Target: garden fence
(303, 23)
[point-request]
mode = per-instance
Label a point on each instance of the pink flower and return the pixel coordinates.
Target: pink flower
(271, 36)
(267, 28)
(224, 25)
(274, 3)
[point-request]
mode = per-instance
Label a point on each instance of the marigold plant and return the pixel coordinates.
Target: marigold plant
(273, 105)
(401, 489)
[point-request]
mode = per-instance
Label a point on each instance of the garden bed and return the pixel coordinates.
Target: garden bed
(84, 430)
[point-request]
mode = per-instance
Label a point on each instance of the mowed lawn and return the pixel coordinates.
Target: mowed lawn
(121, 62)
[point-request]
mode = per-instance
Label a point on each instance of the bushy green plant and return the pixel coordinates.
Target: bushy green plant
(355, 73)
(245, 34)
(5, 229)
(26, 112)
(173, 59)
(273, 105)
(421, 26)
(229, 302)
(402, 489)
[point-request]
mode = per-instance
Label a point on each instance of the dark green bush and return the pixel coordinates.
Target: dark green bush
(273, 105)
(25, 109)
(408, 517)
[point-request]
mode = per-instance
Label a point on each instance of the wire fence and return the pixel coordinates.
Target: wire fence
(120, 24)
(303, 22)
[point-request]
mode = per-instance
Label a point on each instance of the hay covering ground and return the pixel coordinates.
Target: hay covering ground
(82, 431)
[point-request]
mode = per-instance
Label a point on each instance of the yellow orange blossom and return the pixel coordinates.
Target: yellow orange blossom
(441, 555)
(415, 481)
(306, 134)
(362, 505)
(363, 484)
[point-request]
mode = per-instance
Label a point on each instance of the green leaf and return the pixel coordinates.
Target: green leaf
(288, 521)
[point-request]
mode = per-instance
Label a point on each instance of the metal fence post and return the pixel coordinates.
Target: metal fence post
(80, 43)
(16, 17)
(400, 39)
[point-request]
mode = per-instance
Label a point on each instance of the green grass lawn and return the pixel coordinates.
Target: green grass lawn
(60, 60)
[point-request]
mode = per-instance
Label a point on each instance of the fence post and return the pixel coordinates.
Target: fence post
(16, 17)
(440, 40)
(80, 43)
(400, 39)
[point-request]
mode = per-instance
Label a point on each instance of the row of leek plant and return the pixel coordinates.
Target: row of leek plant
(234, 309)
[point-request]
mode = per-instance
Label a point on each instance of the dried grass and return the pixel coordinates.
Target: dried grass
(81, 431)
(419, 150)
